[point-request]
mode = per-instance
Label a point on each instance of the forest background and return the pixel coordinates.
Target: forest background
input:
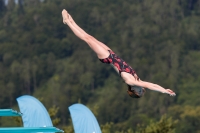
(40, 56)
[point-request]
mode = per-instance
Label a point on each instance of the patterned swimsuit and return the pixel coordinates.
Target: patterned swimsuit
(121, 65)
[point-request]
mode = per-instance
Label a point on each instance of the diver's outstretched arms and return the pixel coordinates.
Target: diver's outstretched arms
(130, 80)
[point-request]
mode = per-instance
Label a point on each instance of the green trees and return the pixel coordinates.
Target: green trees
(164, 125)
(160, 39)
(188, 117)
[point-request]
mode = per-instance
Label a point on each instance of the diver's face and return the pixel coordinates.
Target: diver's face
(138, 90)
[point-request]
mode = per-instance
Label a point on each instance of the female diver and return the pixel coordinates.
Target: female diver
(106, 55)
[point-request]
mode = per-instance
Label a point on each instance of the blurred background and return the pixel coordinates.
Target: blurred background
(40, 56)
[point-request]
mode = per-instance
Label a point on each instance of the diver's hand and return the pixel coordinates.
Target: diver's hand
(170, 92)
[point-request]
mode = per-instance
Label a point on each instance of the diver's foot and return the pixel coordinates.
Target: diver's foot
(65, 16)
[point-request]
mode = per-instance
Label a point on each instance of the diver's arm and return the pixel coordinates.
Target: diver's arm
(148, 85)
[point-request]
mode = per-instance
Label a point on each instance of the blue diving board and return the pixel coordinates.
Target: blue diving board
(29, 129)
(9, 112)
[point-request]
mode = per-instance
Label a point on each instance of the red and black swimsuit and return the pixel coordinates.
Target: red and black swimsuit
(121, 65)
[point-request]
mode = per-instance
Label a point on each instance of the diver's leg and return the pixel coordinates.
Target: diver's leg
(91, 41)
(82, 31)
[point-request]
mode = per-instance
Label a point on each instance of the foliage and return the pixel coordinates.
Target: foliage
(52, 113)
(188, 117)
(40, 56)
(165, 125)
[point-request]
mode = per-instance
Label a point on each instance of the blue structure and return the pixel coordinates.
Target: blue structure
(83, 119)
(34, 113)
(29, 130)
(9, 112)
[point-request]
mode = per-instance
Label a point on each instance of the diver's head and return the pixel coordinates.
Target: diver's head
(135, 91)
